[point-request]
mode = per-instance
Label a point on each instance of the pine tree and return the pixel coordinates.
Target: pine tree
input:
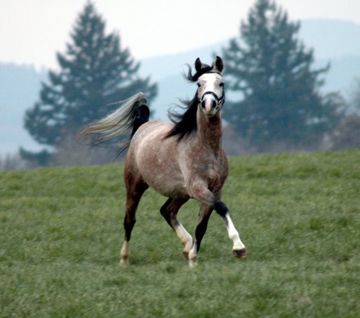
(94, 72)
(271, 72)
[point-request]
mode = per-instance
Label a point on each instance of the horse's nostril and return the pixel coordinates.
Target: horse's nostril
(208, 104)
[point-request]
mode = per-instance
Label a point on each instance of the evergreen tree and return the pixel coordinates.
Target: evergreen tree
(270, 71)
(94, 72)
(355, 98)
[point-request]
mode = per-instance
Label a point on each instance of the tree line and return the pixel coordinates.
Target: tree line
(274, 93)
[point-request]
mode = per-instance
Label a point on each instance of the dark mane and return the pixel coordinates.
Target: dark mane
(204, 69)
(184, 124)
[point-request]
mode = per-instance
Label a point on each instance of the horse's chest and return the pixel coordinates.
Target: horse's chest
(210, 172)
(214, 178)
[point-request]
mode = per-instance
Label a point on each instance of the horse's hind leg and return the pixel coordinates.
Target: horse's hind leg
(134, 191)
(169, 211)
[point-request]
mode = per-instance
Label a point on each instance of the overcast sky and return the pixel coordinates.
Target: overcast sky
(31, 31)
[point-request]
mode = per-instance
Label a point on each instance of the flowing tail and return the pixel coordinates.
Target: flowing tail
(132, 113)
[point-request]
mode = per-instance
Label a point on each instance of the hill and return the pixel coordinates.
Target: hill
(298, 214)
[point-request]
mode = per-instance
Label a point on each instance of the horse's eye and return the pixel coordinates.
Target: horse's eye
(221, 84)
(198, 84)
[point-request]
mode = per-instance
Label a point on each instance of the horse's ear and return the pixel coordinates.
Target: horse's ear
(218, 64)
(198, 65)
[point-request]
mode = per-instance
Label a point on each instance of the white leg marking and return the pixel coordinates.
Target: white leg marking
(184, 237)
(233, 234)
(124, 254)
(192, 256)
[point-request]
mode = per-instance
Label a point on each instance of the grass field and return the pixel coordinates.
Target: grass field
(298, 214)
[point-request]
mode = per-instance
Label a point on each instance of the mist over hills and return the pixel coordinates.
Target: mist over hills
(19, 88)
(336, 42)
(331, 38)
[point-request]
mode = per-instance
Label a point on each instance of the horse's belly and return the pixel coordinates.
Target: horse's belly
(164, 177)
(166, 188)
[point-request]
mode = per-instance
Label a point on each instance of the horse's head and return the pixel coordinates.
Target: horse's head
(207, 102)
(210, 81)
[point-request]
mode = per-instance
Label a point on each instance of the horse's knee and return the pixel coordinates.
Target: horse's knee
(199, 191)
(221, 208)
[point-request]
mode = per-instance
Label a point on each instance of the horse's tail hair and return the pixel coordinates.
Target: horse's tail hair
(132, 113)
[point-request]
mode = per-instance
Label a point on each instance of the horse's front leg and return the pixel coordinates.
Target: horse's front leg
(200, 192)
(239, 249)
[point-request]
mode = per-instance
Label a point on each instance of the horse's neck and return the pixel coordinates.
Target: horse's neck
(209, 131)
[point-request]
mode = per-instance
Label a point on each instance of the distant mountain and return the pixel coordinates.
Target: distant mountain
(19, 88)
(343, 71)
(331, 39)
(336, 42)
(163, 66)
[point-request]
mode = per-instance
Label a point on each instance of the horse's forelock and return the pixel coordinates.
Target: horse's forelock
(194, 77)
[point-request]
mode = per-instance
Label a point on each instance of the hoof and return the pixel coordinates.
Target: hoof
(192, 263)
(240, 253)
(124, 262)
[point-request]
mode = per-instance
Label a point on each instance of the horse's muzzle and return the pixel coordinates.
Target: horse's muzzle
(210, 103)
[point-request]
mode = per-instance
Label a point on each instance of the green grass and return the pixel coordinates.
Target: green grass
(298, 214)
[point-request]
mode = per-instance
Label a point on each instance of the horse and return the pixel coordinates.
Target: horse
(181, 160)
